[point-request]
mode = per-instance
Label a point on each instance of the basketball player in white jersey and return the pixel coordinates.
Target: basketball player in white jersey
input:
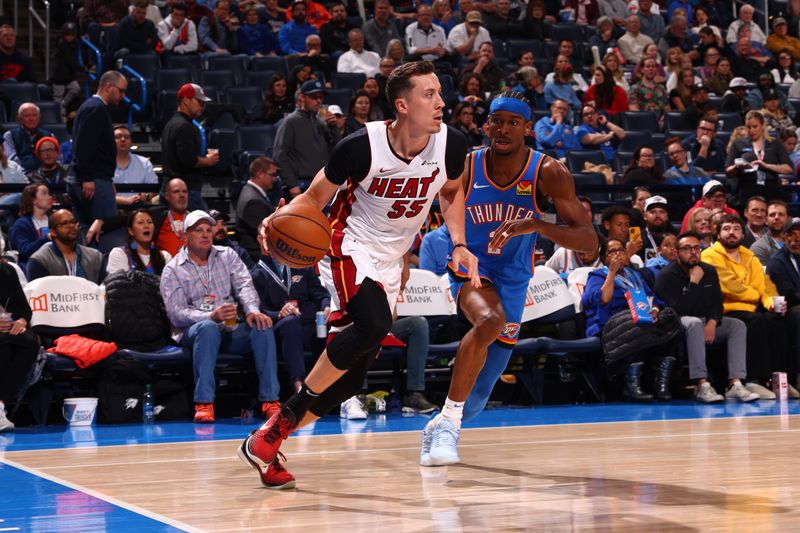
(393, 171)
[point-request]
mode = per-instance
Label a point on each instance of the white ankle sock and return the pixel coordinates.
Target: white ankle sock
(453, 411)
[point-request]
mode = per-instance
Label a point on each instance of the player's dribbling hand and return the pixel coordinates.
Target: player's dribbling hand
(511, 228)
(462, 256)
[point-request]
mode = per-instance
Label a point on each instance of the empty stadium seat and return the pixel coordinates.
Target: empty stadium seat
(259, 78)
(576, 159)
(250, 98)
(673, 121)
(59, 131)
(190, 61)
(515, 47)
(640, 121)
(218, 79)
(225, 141)
(635, 139)
(145, 64)
(340, 97)
(275, 63)
(233, 64)
(171, 79)
(348, 80)
(728, 121)
(20, 92)
(573, 32)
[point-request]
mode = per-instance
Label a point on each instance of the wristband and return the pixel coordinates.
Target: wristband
(461, 244)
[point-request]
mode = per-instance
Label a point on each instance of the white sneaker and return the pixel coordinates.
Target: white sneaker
(705, 393)
(763, 392)
(443, 443)
(737, 391)
(5, 423)
(353, 409)
(792, 393)
(427, 437)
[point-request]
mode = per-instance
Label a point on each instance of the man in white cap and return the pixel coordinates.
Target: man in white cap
(183, 153)
(734, 99)
(203, 288)
(714, 198)
(657, 224)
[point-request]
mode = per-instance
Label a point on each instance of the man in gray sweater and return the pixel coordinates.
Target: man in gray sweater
(64, 256)
(303, 142)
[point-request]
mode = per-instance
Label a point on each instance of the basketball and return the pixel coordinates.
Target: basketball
(299, 235)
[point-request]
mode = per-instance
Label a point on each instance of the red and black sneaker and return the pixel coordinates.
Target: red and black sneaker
(261, 448)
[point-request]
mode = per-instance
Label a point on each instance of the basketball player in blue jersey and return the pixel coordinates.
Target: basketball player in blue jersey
(507, 187)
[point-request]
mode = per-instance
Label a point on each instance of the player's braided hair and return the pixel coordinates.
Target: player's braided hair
(508, 93)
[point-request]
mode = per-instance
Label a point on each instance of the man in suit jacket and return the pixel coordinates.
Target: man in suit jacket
(291, 297)
(253, 204)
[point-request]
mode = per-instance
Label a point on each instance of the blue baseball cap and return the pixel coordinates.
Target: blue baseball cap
(312, 86)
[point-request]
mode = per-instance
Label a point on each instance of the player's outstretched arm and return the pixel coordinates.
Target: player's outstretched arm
(556, 183)
(451, 201)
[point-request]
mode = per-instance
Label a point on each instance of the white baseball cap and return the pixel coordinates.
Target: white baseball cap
(737, 82)
(655, 201)
(335, 110)
(197, 216)
(712, 186)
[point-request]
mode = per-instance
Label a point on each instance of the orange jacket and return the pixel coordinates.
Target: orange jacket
(85, 352)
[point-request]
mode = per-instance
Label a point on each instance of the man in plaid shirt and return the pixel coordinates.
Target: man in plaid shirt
(203, 287)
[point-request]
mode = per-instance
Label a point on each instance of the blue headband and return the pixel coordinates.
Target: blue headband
(512, 105)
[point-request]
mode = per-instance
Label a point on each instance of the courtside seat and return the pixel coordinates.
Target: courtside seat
(166, 356)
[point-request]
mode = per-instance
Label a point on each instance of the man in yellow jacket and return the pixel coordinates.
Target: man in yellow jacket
(780, 39)
(748, 294)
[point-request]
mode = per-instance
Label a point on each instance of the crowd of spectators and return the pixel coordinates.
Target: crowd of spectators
(713, 91)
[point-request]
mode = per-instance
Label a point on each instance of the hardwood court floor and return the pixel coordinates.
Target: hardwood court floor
(728, 474)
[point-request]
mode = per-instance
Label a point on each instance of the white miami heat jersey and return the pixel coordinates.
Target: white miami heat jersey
(387, 198)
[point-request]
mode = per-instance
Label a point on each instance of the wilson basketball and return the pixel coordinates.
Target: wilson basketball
(299, 235)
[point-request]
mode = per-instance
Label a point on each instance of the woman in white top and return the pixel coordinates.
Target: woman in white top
(140, 253)
(10, 172)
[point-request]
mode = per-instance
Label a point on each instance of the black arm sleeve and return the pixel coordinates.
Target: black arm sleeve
(351, 158)
(455, 153)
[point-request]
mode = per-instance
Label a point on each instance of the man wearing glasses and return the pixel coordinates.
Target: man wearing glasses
(64, 256)
(706, 150)
(95, 154)
(598, 132)
(692, 289)
(682, 171)
(554, 133)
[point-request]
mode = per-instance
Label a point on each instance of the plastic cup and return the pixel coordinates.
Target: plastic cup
(778, 303)
(5, 321)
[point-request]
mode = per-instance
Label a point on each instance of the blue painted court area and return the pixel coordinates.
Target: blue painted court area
(32, 503)
(51, 437)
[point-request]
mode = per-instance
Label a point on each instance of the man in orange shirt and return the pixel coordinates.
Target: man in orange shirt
(168, 220)
(316, 14)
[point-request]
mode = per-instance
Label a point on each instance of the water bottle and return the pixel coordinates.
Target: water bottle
(322, 328)
(148, 413)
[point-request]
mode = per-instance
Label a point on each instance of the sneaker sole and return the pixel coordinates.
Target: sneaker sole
(407, 409)
(443, 461)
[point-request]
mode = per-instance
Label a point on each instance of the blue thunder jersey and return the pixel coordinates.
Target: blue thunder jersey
(487, 206)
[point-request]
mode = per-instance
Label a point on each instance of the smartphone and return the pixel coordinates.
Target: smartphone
(635, 233)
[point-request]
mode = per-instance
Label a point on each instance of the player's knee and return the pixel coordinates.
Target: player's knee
(374, 327)
(489, 323)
